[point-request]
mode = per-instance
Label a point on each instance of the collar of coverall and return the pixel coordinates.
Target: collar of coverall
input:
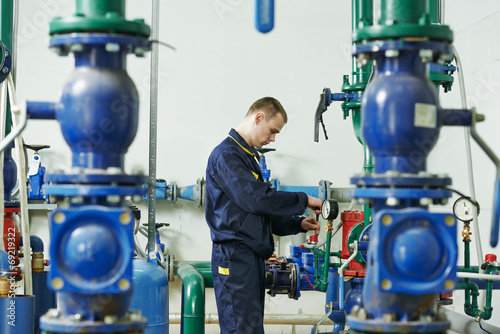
(234, 135)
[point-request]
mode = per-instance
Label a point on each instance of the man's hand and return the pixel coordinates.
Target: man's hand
(310, 224)
(314, 204)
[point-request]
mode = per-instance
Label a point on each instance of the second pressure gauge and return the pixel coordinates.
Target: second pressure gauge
(464, 207)
(329, 209)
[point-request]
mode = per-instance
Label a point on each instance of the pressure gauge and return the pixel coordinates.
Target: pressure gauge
(329, 209)
(464, 207)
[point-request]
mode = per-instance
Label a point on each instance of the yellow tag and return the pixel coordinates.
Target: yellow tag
(223, 271)
(256, 175)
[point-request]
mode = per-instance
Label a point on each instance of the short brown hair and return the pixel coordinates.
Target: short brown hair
(269, 106)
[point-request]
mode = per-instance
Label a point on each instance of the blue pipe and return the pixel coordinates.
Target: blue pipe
(4, 261)
(41, 110)
(36, 243)
(187, 193)
(310, 190)
(264, 15)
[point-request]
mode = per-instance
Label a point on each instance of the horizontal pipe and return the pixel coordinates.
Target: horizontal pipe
(479, 276)
(41, 110)
(341, 195)
(269, 319)
(309, 190)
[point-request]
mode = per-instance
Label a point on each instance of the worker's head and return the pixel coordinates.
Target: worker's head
(268, 117)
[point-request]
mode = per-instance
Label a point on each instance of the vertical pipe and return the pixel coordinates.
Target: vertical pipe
(153, 129)
(3, 114)
(6, 24)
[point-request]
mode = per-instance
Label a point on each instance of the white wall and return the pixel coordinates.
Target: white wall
(221, 65)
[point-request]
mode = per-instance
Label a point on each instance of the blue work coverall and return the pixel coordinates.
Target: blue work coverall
(243, 212)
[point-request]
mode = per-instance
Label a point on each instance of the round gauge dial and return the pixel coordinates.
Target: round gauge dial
(329, 209)
(463, 209)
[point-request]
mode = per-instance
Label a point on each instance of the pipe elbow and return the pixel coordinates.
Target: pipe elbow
(194, 290)
(36, 243)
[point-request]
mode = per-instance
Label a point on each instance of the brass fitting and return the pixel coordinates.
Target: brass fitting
(4, 286)
(329, 227)
(37, 262)
(466, 233)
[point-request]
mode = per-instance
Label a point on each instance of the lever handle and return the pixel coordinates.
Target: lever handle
(264, 15)
(324, 102)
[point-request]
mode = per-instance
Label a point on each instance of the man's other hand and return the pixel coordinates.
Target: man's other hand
(310, 224)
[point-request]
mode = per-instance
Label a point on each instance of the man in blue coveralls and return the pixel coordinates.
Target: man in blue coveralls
(243, 213)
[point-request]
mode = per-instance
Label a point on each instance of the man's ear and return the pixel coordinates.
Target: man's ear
(259, 117)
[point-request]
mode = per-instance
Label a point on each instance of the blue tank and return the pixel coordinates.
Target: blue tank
(150, 295)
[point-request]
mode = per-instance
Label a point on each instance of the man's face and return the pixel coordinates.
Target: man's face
(267, 129)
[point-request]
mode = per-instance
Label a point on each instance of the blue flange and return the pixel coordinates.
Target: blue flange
(419, 253)
(404, 193)
(381, 326)
(5, 63)
(91, 250)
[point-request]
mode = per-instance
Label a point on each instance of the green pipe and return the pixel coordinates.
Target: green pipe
(401, 12)
(193, 299)
(6, 24)
(470, 308)
(92, 8)
(326, 264)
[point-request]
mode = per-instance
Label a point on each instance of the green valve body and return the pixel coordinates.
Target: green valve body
(99, 16)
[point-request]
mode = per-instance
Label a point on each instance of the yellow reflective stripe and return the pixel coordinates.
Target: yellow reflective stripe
(223, 271)
(256, 175)
(244, 149)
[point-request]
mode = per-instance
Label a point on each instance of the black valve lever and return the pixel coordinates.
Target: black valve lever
(157, 225)
(36, 148)
(324, 102)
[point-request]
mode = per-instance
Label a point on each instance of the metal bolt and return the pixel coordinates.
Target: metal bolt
(425, 201)
(5, 70)
(392, 201)
(386, 284)
(355, 310)
(360, 200)
(449, 220)
(135, 316)
(366, 237)
(424, 174)
(59, 218)
(75, 317)
(388, 317)
(125, 218)
(112, 47)
(113, 199)
(110, 319)
(392, 173)
(449, 284)
(386, 220)
(136, 198)
(52, 313)
(444, 201)
(139, 51)
(391, 53)
(57, 283)
(426, 55)
(6, 54)
(76, 48)
(77, 200)
(362, 314)
(124, 284)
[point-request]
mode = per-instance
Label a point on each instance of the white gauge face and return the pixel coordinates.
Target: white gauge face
(464, 209)
(329, 209)
(325, 209)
